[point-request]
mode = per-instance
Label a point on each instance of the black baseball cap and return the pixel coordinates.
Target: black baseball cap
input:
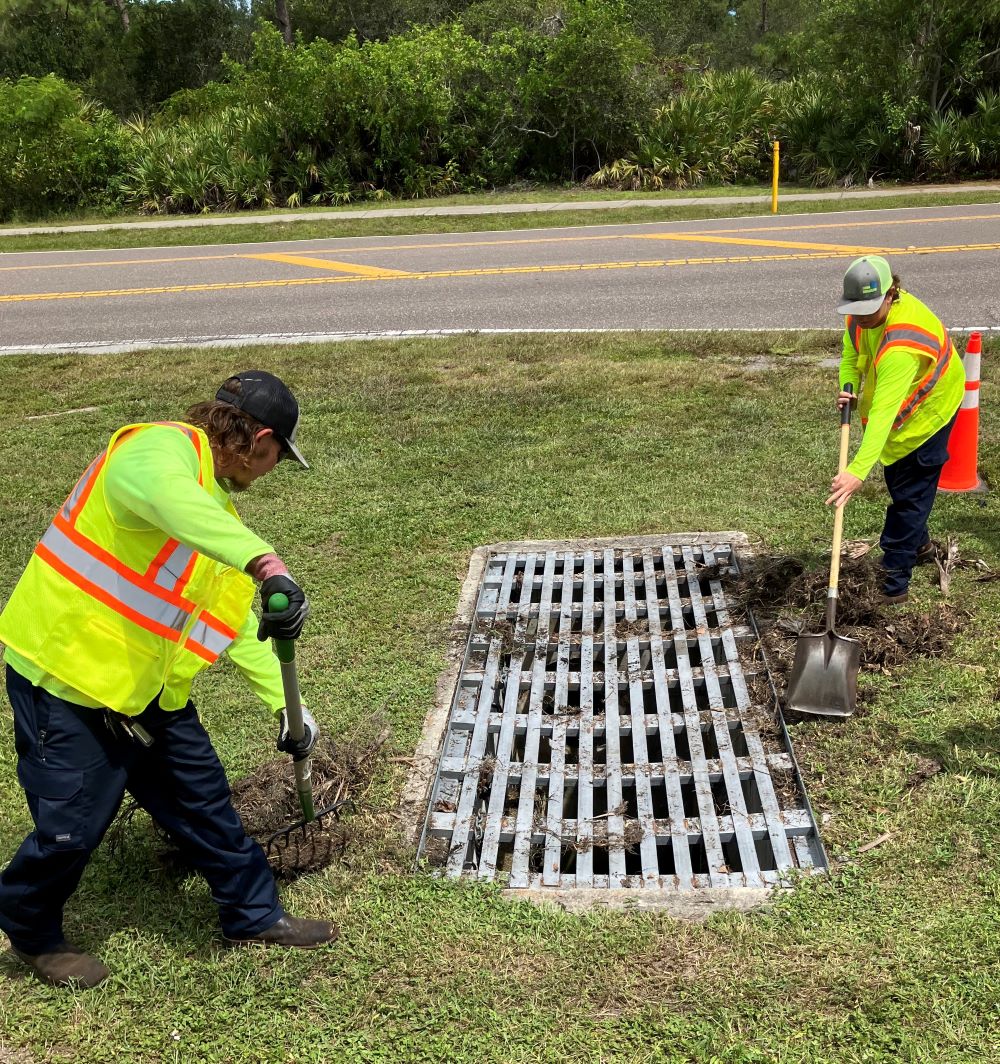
(267, 399)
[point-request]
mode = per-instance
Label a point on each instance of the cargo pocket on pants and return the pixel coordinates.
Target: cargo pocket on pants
(55, 803)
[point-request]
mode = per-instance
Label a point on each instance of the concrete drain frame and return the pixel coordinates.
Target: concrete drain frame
(638, 762)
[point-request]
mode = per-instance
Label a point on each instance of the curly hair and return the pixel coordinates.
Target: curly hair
(229, 429)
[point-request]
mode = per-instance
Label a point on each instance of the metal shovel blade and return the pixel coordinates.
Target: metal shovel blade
(824, 677)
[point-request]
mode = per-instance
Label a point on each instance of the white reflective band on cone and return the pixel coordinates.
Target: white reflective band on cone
(973, 367)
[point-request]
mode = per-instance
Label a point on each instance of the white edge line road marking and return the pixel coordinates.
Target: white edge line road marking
(115, 347)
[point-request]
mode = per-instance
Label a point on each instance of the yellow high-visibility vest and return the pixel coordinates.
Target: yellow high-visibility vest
(938, 383)
(119, 613)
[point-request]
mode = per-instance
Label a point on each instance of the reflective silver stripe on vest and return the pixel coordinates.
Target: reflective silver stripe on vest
(113, 583)
(211, 639)
(81, 487)
(918, 396)
(900, 332)
(173, 568)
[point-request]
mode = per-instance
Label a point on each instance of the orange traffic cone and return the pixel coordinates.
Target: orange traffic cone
(960, 472)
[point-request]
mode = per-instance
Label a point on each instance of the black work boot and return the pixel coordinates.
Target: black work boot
(65, 965)
(294, 932)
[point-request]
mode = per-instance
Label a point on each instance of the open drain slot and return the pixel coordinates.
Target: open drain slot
(602, 734)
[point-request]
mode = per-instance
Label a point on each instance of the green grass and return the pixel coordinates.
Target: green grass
(529, 192)
(303, 228)
(422, 450)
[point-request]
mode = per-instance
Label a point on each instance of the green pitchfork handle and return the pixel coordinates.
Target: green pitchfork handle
(285, 651)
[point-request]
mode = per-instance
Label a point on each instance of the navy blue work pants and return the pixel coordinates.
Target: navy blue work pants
(75, 771)
(912, 484)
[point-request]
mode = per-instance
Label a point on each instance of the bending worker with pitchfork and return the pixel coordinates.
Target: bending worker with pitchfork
(144, 577)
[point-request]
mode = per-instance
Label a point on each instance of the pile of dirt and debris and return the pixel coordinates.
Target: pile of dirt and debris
(788, 597)
(268, 803)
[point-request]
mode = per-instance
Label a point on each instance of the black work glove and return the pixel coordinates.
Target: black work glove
(287, 745)
(287, 624)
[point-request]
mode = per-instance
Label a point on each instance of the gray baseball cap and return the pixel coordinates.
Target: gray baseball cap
(866, 284)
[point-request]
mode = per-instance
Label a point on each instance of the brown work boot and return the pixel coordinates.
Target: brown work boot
(926, 554)
(66, 965)
(894, 600)
(294, 932)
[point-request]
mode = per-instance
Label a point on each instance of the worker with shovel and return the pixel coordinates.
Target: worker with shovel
(899, 358)
(144, 578)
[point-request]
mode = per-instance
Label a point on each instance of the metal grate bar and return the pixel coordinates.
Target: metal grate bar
(526, 798)
(585, 773)
(612, 738)
(477, 746)
(718, 873)
(794, 822)
(602, 732)
(557, 742)
(505, 739)
(680, 847)
(640, 754)
(455, 767)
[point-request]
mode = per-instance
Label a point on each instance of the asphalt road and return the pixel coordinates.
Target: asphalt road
(748, 273)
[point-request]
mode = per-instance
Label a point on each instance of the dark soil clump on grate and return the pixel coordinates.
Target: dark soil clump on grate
(788, 598)
(626, 629)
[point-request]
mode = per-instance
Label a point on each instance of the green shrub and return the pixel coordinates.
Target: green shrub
(57, 150)
(984, 127)
(716, 130)
(948, 145)
(588, 91)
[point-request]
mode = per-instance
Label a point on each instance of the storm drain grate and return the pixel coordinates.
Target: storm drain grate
(603, 734)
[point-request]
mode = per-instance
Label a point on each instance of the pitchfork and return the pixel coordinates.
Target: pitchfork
(285, 651)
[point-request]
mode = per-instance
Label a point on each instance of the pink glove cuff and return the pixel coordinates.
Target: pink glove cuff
(266, 566)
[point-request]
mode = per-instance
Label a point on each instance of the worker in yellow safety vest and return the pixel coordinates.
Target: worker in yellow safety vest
(143, 579)
(899, 359)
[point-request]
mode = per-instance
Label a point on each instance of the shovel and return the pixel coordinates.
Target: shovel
(285, 651)
(824, 677)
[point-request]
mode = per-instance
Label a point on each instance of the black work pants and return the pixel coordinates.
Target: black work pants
(75, 771)
(912, 484)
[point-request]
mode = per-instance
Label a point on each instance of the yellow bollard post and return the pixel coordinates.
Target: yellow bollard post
(774, 181)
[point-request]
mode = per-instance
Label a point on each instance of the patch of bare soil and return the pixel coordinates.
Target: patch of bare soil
(926, 768)
(788, 598)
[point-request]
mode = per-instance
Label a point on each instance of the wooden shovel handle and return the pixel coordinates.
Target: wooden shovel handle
(838, 519)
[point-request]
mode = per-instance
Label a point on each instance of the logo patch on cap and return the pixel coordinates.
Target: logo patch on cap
(869, 288)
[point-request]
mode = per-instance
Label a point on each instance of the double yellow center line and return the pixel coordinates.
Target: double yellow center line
(778, 250)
